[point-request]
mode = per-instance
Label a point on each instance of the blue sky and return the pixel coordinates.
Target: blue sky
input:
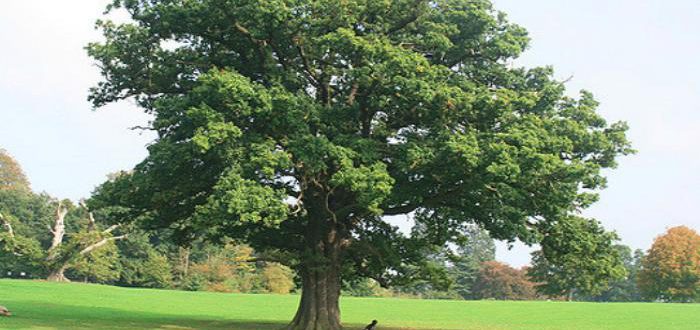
(640, 58)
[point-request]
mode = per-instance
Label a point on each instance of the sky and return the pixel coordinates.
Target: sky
(639, 57)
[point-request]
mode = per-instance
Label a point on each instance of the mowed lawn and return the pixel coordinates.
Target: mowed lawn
(45, 306)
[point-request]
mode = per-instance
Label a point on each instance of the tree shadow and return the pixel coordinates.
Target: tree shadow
(40, 315)
(36, 315)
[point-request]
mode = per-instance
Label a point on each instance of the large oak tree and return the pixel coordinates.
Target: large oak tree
(297, 125)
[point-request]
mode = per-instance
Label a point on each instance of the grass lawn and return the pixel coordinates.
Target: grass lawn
(73, 306)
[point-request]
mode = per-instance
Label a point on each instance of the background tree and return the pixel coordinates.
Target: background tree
(278, 278)
(23, 216)
(27, 247)
(577, 258)
(671, 269)
(100, 266)
(142, 264)
(496, 280)
(11, 174)
(623, 289)
(477, 248)
(296, 125)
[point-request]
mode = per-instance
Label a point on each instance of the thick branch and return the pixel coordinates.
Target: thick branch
(426, 202)
(91, 218)
(111, 229)
(260, 44)
(307, 67)
(59, 226)
(401, 209)
(353, 93)
(100, 244)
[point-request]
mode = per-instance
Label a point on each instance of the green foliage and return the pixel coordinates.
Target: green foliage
(624, 289)
(153, 271)
(100, 266)
(19, 255)
(295, 126)
(364, 287)
(362, 114)
(142, 265)
(23, 250)
(477, 248)
(29, 214)
(578, 257)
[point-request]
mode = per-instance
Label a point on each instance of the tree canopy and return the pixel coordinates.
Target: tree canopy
(577, 257)
(296, 125)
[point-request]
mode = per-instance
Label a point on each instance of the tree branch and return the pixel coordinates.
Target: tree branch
(91, 218)
(307, 67)
(407, 20)
(259, 43)
(111, 228)
(353, 93)
(402, 209)
(426, 202)
(59, 226)
(101, 243)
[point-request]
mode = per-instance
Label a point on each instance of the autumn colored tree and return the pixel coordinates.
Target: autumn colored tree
(671, 269)
(11, 174)
(297, 125)
(278, 278)
(496, 280)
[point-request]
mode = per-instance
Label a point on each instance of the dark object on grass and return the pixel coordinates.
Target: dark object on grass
(371, 326)
(6, 312)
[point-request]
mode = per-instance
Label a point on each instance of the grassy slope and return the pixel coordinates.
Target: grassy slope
(48, 306)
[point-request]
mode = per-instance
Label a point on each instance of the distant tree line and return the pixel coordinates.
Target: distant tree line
(43, 237)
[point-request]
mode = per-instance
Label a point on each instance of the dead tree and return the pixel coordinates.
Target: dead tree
(59, 261)
(58, 231)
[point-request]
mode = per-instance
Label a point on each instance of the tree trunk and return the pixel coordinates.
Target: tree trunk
(320, 272)
(57, 275)
(319, 306)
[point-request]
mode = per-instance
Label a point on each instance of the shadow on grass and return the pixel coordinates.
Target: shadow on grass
(40, 315)
(43, 316)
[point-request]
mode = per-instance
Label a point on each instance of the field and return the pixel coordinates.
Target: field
(49, 306)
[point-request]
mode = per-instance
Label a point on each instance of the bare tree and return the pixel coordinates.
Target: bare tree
(59, 260)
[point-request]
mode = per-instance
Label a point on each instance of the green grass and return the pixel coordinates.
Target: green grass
(49, 306)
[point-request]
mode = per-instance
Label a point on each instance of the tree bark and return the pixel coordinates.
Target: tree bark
(319, 307)
(57, 275)
(58, 231)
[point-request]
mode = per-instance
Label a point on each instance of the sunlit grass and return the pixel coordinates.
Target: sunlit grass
(73, 306)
